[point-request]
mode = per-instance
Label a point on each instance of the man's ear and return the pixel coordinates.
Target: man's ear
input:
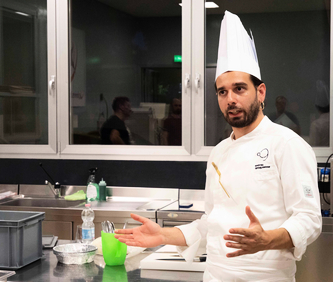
(261, 90)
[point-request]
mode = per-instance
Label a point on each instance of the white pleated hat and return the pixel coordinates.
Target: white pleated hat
(237, 51)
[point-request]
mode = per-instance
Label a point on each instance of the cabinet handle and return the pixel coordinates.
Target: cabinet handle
(52, 84)
(197, 81)
(186, 82)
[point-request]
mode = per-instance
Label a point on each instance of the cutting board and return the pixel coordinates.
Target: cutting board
(152, 261)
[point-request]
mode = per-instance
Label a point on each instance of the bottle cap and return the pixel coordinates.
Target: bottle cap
(102, 182)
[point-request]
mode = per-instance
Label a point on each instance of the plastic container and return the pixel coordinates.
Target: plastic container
(102, 190)
(20, 238)
(88, 226)
(114, 252)
(92, 188)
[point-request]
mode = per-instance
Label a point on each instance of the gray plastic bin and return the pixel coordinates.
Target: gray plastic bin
(20, 238)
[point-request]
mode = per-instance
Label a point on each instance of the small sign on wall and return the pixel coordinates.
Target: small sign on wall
(78, 99)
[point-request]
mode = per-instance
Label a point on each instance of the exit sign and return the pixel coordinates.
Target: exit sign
(177, 58)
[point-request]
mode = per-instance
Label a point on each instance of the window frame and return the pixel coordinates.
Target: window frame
(120, 152)
(50, 149)
(199, 66)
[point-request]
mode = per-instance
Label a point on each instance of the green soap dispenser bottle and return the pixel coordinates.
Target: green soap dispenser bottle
(92, 187)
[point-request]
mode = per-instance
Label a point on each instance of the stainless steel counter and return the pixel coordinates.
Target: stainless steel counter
(48, 269)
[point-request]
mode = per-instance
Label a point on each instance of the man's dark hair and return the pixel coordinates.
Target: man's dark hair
(119, 101)
(256, 82)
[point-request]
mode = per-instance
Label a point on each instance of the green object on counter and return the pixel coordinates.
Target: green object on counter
(115, 273)
(114, 252)
(102, 190)
(79, 195)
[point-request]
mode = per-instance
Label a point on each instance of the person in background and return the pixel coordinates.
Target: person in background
(284, 117)
(114, 130)
(319, 128)
(172, 128)
(262, 205)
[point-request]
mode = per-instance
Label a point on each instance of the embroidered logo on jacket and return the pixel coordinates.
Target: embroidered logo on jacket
(263, 154)
(261, 166)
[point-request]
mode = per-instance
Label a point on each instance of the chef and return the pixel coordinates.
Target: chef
(262, 204)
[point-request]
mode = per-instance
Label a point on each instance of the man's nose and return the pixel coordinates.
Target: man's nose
(231, 97)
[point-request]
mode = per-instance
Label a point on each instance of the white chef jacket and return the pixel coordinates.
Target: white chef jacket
(274, 171)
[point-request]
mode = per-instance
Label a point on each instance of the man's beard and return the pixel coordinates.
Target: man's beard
(248, 116)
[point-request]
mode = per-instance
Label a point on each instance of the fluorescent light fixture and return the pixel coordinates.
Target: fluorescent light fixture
(22, 14)
(207, 5)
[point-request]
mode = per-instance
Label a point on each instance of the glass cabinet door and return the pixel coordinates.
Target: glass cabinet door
(292, 40)
(27, 62)
(128, 61)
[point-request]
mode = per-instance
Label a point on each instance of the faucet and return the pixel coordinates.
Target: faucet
(55, 190)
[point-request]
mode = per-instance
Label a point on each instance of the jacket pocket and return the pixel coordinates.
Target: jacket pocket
(265, 175)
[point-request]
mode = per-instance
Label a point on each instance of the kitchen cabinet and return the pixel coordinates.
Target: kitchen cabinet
(62, 229)
(317, 261)
(318, 258)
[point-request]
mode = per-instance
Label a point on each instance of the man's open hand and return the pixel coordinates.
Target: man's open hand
(248, 240)
(148, 235)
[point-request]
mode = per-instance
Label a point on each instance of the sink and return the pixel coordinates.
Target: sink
(42, 202)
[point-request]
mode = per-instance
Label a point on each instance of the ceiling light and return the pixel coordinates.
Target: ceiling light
(207, 5)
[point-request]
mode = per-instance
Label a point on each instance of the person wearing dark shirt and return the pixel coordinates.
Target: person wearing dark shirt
(114, 130)
(172, 128)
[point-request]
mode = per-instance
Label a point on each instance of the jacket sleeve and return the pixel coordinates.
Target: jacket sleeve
(298, 171)
(195, 233)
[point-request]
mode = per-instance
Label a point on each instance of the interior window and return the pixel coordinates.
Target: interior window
(125, 78)
(23, 72)
(293, 47)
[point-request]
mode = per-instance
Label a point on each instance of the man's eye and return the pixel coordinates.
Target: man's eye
(221, 92)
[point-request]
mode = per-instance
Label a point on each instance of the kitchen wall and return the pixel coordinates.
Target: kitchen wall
(157, 174)
(186, 175)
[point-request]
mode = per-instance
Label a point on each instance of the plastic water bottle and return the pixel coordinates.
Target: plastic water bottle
(88, 226)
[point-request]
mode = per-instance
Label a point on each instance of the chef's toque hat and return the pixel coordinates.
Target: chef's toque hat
(237, 51)
(322, 95)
